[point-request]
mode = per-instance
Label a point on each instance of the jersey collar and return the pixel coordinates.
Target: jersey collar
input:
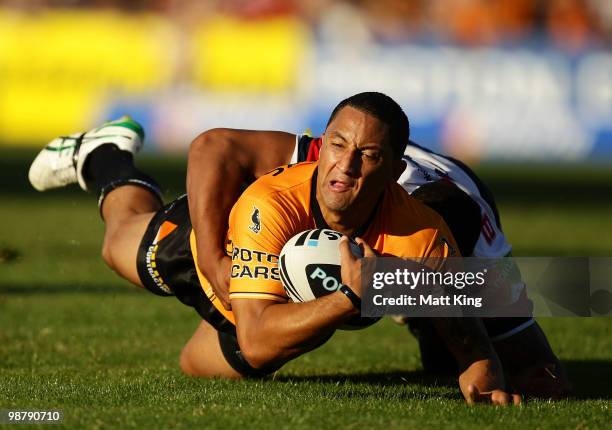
(314, 204)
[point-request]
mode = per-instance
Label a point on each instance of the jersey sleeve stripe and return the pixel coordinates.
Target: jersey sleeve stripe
(257, 295)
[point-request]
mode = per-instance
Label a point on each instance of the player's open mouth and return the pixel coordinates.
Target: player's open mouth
(340, 186)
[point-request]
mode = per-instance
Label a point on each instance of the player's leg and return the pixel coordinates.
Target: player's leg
(127, 212)
(101, 160)
(128, 199)
(203, 356)
(146, 245)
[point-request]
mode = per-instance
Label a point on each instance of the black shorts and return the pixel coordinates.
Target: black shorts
(166, 267)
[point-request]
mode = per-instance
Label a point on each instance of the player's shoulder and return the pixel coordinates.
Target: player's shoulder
(273, 209)
(421, 154)
(287, 179)
(281, 196)
(410, 228)
(399, 197)
(402, 209)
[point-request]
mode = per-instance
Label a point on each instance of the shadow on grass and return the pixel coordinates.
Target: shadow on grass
(592, 379)
(41, 289)
(383, 381)
(379, 378)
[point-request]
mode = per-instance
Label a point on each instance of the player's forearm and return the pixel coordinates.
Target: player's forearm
(220, 162)
(467, 340)
(284, 331)
(476, 358)
(215, 173)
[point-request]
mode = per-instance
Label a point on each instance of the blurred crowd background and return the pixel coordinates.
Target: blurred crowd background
(567, 24)
(482, 79)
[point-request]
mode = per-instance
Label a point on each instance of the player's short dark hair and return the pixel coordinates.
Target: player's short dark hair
(459, 211)
(386, 110)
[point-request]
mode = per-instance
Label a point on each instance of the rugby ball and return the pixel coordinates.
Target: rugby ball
(309, 265)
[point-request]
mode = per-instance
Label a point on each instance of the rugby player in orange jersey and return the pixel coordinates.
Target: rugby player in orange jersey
(222, 159)
(352, 190)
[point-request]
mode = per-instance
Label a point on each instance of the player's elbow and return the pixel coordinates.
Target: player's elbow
(259, 356)
(215, 139)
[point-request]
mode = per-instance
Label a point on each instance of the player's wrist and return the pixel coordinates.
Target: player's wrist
(351, 297)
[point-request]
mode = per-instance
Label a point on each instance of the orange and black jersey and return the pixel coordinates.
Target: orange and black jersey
(282, 204)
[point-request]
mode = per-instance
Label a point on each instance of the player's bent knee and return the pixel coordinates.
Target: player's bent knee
(112, 253)
(185, 364)
(191, 364)
(116, 252)
(107, 254)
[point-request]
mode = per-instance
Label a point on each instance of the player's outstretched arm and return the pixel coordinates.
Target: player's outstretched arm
(220, 161)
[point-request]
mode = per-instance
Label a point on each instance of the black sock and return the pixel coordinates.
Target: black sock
(106, 164)
(107, 167)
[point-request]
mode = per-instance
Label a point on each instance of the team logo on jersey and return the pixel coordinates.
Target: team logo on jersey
(151, 263)
(256, 219)
(254, 264)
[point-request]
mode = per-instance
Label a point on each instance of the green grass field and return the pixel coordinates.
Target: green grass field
(75, 337)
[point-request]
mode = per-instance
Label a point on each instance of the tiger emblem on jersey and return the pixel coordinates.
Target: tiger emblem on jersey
(255, 218)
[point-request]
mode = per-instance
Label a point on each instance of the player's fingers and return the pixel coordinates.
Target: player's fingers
(367, 250)
(499, 397)
(346, 255)
(473, 396)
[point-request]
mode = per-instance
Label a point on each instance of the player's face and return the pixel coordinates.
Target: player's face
(355, 164)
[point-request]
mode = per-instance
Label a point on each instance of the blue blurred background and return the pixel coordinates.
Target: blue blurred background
(482, 80)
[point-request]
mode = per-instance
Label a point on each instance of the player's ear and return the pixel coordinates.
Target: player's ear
(399, 165)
